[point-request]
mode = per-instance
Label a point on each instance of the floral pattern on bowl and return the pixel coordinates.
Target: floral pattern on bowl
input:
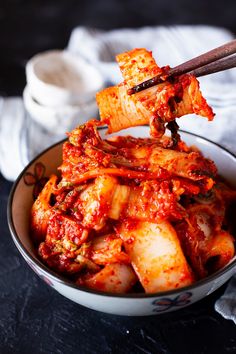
(165, 303)
(36, 179)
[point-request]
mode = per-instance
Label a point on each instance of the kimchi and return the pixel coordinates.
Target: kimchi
(157, 106)
(134, 214)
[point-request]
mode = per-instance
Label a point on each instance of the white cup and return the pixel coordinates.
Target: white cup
(59, 78)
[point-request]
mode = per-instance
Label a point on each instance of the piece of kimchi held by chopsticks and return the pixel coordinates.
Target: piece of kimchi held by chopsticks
(156, 106)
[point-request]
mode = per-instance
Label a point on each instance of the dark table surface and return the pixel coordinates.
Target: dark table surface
(33, 317)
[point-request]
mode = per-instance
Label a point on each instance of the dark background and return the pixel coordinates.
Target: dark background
(33, 317)
(30, 26)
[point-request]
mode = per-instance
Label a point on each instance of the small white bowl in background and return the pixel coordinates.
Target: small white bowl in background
(58, 78)
(58, 120)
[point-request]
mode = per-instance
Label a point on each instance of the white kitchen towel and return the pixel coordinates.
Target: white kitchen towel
(226, 304)
(21, 138)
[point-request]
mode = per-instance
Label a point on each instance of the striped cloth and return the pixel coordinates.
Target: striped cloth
(21, 138)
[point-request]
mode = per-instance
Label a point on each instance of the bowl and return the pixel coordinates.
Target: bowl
(21, 200)
(58, 120)
(58, 78)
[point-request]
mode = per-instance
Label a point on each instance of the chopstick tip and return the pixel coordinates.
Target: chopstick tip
(131, 91)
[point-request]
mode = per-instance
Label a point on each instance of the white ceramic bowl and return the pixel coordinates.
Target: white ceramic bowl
(20, 202)
(58, 120)
(58, 78)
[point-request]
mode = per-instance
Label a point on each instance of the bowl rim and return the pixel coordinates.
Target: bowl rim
(69, 283)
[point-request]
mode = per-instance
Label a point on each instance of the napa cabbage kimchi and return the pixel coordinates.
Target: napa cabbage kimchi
(134, 214)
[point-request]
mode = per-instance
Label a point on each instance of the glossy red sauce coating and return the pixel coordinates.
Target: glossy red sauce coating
(122, 203)
(121, 181)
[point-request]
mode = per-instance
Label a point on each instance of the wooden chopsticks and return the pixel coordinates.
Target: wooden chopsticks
(215, 60)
